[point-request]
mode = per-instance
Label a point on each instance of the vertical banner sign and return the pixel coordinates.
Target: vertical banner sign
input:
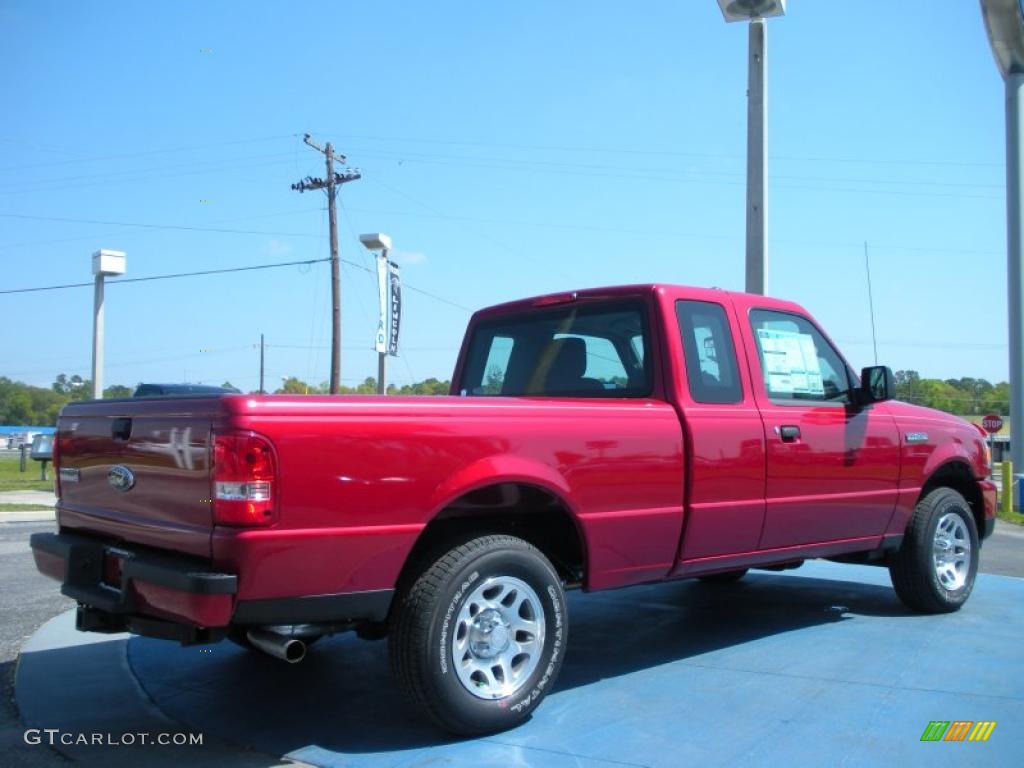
(382, 291)
(396, 308)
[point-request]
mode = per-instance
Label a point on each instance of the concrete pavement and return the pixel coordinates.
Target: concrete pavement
(821, 665)
(29, 499)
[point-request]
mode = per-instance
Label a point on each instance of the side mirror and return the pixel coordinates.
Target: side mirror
(877, 384)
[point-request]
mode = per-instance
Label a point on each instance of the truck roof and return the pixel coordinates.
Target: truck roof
(739, 299)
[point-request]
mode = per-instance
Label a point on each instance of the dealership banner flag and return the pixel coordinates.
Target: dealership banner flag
(396, 308)
(382, 290)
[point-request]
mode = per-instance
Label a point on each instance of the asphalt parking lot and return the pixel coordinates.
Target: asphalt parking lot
(813, 666)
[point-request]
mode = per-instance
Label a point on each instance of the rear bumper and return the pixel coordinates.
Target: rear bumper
(169, 588)
(176, 597)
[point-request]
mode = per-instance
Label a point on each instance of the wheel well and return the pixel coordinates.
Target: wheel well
(517, 509)
(958, 476)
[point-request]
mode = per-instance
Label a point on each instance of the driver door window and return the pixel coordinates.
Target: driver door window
(797, 363)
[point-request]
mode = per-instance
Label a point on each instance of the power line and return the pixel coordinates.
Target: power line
(169, 277)
(667, 153)
(180, 227)
(690, 175)
(48, 186)
(434, 213)
(149, 152)
(664, 175)
(305, 262)
(242, 162)
(32, 243)
(412, 288)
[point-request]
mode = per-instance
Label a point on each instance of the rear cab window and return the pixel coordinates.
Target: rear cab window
(798, 364)
(577, 350)
(711, 371)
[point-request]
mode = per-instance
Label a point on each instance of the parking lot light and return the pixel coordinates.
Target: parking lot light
(104, 263)
(1004, 22)
(378, 241)
(755, 12)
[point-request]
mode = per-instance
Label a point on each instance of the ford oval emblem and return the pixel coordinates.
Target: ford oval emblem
(121, 478)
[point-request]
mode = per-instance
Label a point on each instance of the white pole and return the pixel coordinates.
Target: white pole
(1015, 268)
(757, 155)
(97, 339)
(382, 357)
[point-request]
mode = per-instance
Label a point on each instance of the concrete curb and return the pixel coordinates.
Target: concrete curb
(28, 516)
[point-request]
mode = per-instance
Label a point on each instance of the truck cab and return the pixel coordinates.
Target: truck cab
(593, 439)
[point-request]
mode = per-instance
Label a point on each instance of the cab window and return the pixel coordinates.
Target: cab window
(711, 370)
(584, 350)
(797, 363)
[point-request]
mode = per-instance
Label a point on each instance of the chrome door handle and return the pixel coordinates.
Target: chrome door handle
(789, 433)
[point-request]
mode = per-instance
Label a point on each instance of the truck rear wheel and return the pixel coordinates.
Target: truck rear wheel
(478, 639)
(933, 571)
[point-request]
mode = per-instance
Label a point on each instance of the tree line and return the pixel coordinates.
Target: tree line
(964, 397)
(24, 404)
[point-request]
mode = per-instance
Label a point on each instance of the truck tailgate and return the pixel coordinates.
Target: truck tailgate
(139, 471)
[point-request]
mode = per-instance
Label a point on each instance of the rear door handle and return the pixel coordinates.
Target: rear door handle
(789, 433)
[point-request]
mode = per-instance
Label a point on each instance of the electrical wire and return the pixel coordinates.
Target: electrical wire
(149, 152)
(661, 153)
(179, 227)
(168, 277)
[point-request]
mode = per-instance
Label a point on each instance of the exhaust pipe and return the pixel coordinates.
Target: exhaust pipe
(289, 649)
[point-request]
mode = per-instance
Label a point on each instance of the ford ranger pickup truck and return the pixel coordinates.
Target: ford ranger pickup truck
(593, 439)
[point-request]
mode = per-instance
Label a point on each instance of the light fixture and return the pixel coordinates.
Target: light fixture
(745, 10)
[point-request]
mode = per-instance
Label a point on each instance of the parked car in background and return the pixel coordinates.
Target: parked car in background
(177, 390)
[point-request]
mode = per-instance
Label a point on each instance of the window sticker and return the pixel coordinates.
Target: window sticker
(790, 362)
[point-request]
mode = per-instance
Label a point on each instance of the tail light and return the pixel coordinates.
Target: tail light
(244, 476)
(56, 463)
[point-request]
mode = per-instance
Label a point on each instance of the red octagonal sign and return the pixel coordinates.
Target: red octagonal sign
(992, 423)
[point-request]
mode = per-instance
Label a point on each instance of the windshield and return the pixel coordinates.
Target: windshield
(596, 350)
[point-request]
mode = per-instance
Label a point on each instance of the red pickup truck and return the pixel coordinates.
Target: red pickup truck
(593, 439)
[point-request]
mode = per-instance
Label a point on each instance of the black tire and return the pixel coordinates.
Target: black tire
(726, 577)
(913, 568)
(428, 613)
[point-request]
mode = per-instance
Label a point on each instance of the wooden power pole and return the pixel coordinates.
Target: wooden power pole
(332, 182)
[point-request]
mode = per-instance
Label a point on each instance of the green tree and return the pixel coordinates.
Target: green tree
(294, 386)
(494, 380)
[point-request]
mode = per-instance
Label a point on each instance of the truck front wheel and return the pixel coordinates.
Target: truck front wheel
(933, 571)
(478, 639)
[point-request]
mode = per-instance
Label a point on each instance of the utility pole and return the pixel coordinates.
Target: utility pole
(262, 391)
(333, 181)
(757, 155)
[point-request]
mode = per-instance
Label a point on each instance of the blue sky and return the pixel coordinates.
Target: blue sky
(509, 150)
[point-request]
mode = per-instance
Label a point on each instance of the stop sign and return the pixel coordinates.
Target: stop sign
(992, 423)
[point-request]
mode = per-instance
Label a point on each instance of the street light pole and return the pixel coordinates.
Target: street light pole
(377, 241)
(757, 159)
(756, 12)
(1015, 266)
(382, 358)
(1004, 23)
(104, 263)
(97, 339)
